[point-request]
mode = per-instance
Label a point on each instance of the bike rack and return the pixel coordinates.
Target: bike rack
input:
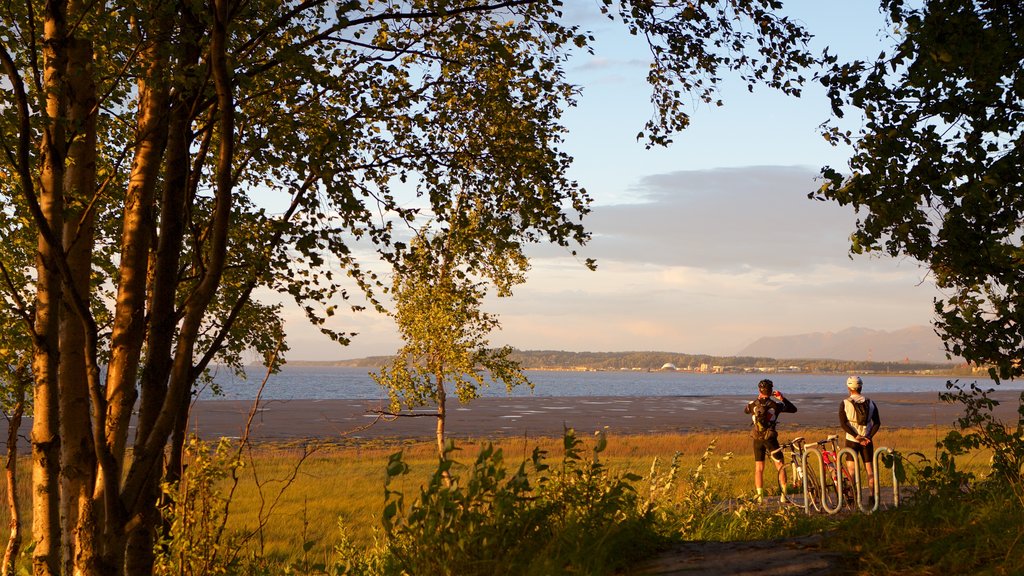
(851, 455)
(848, 453)
(821, 479)
(876, 491)
(895, 480)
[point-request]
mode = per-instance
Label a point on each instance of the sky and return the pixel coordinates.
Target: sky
(702, 247)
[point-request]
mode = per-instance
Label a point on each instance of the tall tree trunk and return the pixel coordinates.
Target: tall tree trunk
(147, 458)
(78, 458)
(164, 282)
(46, 354)
(441, 415)
(128, 330)
(177, 190)
(13, 510)
(163, 318)
(129, 324)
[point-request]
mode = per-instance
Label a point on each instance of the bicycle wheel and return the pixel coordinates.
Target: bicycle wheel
(830, 491)
(849, 494)
(813, 491)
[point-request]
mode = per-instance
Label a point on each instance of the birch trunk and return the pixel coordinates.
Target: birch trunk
(148, 456)
(128, 331)
(78, 458)
(129, 324)
(46, 354)
(13, 510)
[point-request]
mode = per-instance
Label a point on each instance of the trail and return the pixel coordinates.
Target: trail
(802, 556)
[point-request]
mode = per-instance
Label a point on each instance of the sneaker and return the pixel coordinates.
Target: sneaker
(783, 499)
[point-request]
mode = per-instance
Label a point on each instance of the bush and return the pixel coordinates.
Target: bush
(195, 513)
(577, 518)
(957, 521)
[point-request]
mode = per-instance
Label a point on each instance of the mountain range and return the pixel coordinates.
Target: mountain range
(916, 343)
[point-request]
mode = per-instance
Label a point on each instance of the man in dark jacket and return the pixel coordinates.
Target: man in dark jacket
(764, 411)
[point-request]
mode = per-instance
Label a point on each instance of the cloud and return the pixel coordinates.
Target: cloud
(708, 261)
(697, 261)
(730, 219)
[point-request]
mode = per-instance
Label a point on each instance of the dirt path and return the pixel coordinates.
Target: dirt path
(791, 557)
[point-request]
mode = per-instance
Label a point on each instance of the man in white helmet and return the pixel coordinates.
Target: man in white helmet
(858, 417)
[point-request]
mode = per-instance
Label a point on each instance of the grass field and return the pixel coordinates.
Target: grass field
(296, 503)
(342, 486)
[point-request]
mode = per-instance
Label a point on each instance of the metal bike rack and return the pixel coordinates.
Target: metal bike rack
(848, 453)
(895, 480)
(876, 491)
(821, 478)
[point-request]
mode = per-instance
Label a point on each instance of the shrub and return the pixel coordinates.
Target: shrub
(194, 514)
(576, 518)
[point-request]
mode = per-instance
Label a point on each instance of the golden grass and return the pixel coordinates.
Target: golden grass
(346, 483)
(288, 495)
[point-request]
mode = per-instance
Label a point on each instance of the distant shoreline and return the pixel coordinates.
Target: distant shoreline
(950, 371)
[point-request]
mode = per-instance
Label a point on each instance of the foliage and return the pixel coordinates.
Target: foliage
(936, 169)
(977, 429)
(702, 503)
(438, 301)
(957, 533)
(16, 312)
(194, 512)
(577, 517)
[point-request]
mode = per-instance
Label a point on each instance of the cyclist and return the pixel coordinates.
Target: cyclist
(764, 411)
(858, 417)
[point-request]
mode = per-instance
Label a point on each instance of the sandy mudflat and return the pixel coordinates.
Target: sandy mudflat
(282, 420)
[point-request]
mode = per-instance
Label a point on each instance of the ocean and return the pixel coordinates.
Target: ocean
(325, 383)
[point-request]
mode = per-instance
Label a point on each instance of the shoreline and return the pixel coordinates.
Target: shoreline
(347, 420)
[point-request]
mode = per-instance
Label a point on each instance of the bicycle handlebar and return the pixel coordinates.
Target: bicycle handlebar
(831, 439)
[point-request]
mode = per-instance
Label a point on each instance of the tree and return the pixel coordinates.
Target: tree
(438, 290)
(15, 372)
(144, 143)
(936, 172)
(937, 176)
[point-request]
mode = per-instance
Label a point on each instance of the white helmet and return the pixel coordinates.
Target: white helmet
(854, 383)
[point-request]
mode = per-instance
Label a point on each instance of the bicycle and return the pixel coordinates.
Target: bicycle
(795, 449)
(839, 485)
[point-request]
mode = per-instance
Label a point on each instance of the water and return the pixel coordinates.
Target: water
(318, 383)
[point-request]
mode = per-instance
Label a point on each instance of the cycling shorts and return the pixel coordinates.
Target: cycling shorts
(865, 452)
(766, 446)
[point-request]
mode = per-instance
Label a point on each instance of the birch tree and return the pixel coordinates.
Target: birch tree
(438, 290)
(144, 144)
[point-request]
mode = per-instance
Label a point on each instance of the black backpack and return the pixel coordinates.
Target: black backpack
(861, 412)
(763, 415)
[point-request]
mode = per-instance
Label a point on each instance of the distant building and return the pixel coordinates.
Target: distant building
(668, 366)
